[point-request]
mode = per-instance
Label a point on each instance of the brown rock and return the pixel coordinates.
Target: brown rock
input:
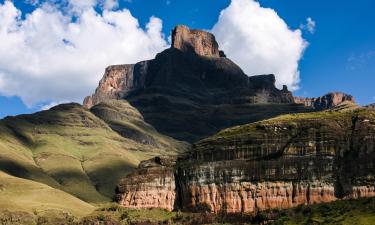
(278, 163)
(201, 42)
(152, 185)
(327, 101)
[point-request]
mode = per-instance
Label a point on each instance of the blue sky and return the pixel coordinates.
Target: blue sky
(340, 55)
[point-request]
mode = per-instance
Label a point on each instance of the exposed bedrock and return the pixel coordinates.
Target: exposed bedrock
(152, 185)
(326, 101)
(277, 163)
(191, 91)
(200, 42)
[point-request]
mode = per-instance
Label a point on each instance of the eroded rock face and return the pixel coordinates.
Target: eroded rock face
(152, 185)
(327, 101)
(200, 42)
(190, 91)
(280, 163)
(117, 82)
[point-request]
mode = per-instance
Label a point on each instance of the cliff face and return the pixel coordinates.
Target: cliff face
(327, 101)
(152, 185)
(200, 42)
(279, 163)
(191, 90)
(117, 82)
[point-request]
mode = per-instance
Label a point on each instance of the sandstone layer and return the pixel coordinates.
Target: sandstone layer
(191, 91)
(326, 101)
(152, 185)
(278, 163)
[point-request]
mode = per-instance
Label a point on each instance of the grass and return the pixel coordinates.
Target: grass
(291, 120)
(17, 194)
(71, 149)
(344, 212)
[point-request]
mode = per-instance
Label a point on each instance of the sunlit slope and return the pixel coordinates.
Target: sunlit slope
(19, 194)
(69, 148)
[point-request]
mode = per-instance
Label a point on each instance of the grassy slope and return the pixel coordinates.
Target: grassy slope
(344, 212)
(24, 195)
(128, 122)
(347, 212)
(71, 149)
(337, 114)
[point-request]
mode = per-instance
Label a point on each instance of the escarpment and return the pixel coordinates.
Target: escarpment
(152, 185)
(278, 163)
(191, 90)
(326, 101)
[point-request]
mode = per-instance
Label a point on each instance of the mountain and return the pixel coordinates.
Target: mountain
(326, 101)
(282, 162)
(187, 130)
(191, 90)
(81, 152)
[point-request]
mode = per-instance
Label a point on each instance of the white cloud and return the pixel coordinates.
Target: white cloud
(260, 42)
(110, 4)
(48, 57)
(309, 26)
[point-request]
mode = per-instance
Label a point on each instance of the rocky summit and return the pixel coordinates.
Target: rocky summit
(191, 90)
(283, 162)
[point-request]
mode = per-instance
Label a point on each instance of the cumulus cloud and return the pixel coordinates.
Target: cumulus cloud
(259, 41)
(47, 56)
(58, 52)
(110, 4)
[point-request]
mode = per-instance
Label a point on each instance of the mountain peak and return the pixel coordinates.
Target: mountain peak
(200, 42)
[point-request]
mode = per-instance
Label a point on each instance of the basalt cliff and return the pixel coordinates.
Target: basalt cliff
(192, 90)
(283, 162)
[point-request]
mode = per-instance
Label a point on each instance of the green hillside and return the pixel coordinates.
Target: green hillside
(17, 194)
(69, 148)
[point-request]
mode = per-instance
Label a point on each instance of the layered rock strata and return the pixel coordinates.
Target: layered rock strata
(326, 101)
(152, 185)
(278, 163)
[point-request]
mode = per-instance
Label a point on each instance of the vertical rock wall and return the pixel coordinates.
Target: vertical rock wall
(278, 163)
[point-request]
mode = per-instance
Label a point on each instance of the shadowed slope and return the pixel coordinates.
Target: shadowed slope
(69, 148)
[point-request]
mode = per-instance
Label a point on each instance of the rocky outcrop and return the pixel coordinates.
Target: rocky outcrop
(371, 106)
(279, 163)
(327, 101)
(117, 82)
(200, 42)
(191, 91)
(152, 185)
